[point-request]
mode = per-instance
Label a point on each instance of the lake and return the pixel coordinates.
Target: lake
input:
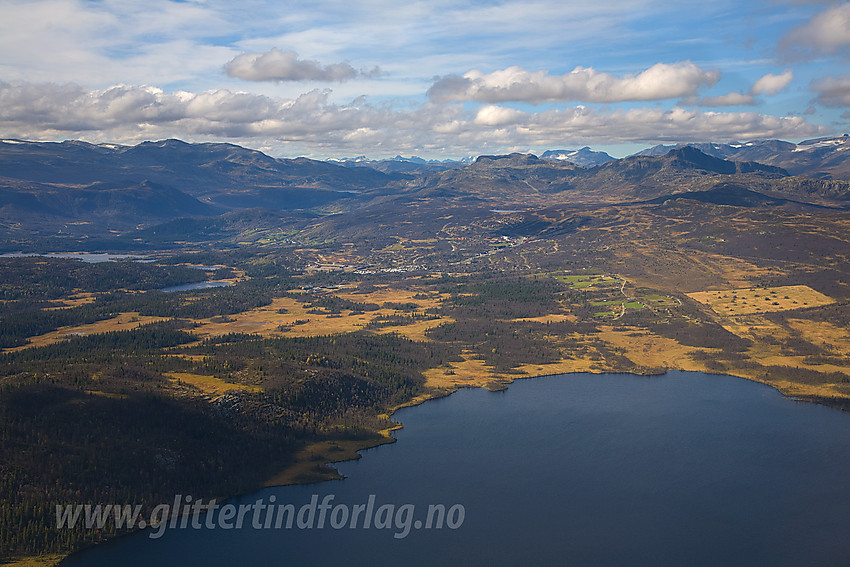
(97, 258)
(577, 469)
(87, 257)
(198, 285)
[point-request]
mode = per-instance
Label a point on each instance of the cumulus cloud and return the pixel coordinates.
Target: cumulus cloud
(277, 65)
(771, 84)
(584, 84)
(731, 99)
(492, 115)
(832, 91)
(311, 124)
(646, 124)
(48, 110)
(827, 32)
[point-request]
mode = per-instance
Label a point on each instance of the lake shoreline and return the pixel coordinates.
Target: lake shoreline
(307, 456)
(623, 397)
(314, 462)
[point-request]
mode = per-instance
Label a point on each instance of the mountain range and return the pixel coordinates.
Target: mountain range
(401, 164)
(152, 181)
(84, 190)
(823, 158)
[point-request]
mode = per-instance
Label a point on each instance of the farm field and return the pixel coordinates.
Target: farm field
(748, 301)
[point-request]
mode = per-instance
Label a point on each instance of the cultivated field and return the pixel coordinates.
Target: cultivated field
(749, 301)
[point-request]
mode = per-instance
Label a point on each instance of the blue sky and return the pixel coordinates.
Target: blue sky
(431, 78)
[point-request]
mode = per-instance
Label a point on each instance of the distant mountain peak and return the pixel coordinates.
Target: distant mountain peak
(689, 156)
(411, 159)
(585, 157)
(822, 158)
(514, 159)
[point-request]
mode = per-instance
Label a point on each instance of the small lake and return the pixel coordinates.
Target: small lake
(684, 469)
(87, 257)
(199, 285)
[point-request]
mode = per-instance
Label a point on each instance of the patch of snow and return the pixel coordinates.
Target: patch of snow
(821, 144)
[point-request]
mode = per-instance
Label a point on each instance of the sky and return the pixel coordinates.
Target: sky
(437, 79)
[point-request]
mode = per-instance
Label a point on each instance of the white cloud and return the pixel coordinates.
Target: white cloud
(184, 44)
(827, 32)
(109, 41)
(492, 115)
(311, 125)
(649, 125)
(731, 99)
(832, 91)
(120, 112)
(771, 84)
(661, 81)
(277, 65)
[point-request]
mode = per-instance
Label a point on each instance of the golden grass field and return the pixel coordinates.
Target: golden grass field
(468, 372)
(39, 561)
(210, 385)
(749, 301)
(823, 334)
(383, 295)
(122, 322)
(415, 331)
(754, 327)
(75, 300)
(266, 321)
(739, 310)
(652, 351)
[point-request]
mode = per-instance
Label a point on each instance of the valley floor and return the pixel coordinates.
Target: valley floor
(303, 360)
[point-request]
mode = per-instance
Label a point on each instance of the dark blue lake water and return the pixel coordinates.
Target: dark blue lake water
(578, 469)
